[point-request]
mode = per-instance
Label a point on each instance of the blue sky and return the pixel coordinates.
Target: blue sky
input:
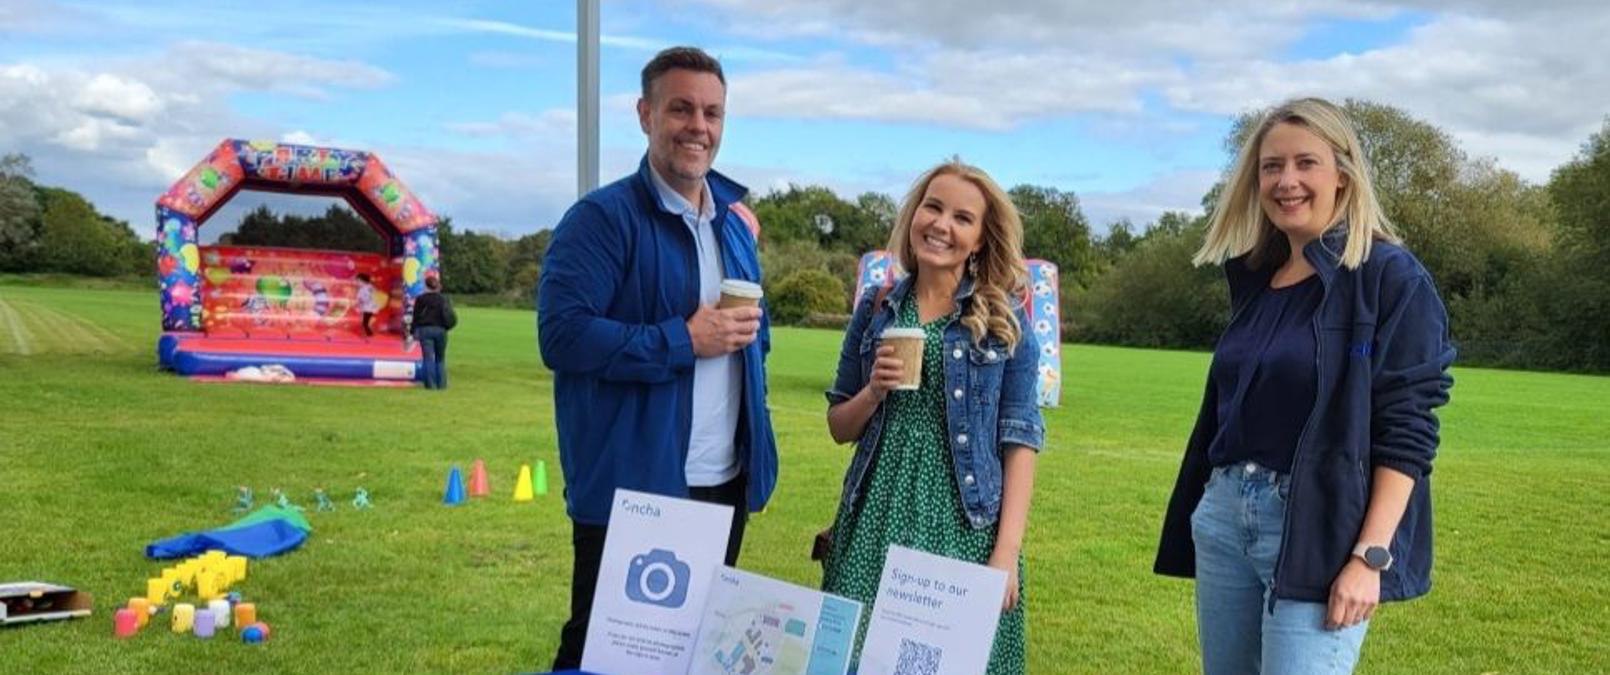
(472, 103)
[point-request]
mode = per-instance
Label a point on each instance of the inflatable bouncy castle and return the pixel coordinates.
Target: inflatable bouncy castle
(877, 269)
(232, 309)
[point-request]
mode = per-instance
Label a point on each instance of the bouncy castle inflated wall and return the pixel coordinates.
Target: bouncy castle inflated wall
(225, 308)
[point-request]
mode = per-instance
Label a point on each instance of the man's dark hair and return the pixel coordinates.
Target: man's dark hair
(686, 58)
(433, 282)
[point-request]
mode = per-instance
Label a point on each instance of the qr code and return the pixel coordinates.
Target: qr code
(917, 658)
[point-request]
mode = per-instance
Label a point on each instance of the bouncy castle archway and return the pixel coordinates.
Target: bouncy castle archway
(228, 307)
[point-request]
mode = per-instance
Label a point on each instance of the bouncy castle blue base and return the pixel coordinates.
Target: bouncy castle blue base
(379, 358)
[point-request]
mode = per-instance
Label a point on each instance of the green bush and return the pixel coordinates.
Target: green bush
(803, 293)
(1153, 297)
(781, 259)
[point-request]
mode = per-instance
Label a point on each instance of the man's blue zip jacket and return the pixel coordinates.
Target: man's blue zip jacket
(1382, 357)
(619, 281)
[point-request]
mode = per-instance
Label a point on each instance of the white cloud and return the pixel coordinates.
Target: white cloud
(120, 131)
(1128, 28)
(39, 16)
(1172, 191)
(301, 137)
(1522, 82)
(1525, 90)
(224, 66)
(509, 192)
(130, 100)
(545, 34)
(993, 91)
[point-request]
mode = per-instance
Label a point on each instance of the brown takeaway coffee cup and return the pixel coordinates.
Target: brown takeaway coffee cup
(739, 293)
(907, 343)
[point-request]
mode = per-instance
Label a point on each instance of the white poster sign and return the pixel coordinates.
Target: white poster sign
(659, 558)
(755, 625)
(932, 615)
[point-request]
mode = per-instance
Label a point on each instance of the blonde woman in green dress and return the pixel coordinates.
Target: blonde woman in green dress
(947, 468)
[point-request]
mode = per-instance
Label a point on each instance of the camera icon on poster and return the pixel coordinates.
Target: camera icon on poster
(657, 578)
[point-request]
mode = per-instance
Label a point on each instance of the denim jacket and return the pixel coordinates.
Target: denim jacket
(990, 400)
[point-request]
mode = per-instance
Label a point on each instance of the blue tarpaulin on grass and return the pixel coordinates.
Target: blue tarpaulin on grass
(266, 532)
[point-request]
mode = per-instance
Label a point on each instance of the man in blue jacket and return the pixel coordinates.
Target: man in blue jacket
(655, 389)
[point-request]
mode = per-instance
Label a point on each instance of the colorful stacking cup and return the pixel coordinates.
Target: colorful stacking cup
(205, 624)
(220, 612)
(124, 625)
(184, 617)
(142, 610)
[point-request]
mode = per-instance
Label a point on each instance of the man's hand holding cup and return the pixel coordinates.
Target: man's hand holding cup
(729, 326)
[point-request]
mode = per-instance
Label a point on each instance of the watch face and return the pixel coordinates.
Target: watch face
(1377, 557)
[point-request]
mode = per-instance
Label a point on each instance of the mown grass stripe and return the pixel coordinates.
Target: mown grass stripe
(66, 338)
(111, 339)
(21, 341)
(51, 337)
(78, 329)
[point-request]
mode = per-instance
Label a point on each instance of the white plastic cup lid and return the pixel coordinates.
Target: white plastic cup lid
(898, 333)
(741, 289)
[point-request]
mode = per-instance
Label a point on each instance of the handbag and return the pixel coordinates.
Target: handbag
(822, 544)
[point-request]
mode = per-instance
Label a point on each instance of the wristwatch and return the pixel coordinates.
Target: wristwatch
(1377, 558)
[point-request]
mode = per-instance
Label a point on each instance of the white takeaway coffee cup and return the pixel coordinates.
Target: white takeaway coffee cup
(908, 345)
(739, 293)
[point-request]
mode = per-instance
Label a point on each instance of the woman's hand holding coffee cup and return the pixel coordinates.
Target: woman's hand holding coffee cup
(722, 331)
(888, 372)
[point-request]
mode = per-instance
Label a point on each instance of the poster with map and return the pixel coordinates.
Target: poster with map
(756, 625)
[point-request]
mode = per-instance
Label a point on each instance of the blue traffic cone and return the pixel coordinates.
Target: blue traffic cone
(454, 494)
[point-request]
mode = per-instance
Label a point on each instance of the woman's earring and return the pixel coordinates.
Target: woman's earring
(972, 264)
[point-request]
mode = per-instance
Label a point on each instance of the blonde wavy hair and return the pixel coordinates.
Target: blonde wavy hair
(998, 270)
(1240, 226)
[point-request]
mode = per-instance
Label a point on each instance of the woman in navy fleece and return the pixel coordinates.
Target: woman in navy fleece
(1304, 497)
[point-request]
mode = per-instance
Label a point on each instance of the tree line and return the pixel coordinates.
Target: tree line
(1521, 266)
(49, 229)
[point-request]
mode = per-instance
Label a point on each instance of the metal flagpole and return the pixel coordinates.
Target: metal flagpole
(586, 96)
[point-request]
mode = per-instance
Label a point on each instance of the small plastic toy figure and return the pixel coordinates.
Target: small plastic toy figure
(361, 501)
(284, 502)
(243, 500)
(323, 500)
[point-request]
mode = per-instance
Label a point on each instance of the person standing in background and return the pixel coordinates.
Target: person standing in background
(433, 317)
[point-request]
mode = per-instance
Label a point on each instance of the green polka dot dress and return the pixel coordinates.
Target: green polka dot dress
(911, 499)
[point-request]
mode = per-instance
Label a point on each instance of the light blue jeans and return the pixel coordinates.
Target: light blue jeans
(1237, 528)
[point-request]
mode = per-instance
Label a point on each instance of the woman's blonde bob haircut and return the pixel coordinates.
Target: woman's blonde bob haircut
(998, 270)
(1239, 225)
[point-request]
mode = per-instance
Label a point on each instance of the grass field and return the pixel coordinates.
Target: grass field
(100, 454)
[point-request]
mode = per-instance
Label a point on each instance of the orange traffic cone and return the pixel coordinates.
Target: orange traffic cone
(522, 486)
(478, 487)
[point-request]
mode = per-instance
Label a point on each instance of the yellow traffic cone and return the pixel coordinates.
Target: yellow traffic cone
(522, 486)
